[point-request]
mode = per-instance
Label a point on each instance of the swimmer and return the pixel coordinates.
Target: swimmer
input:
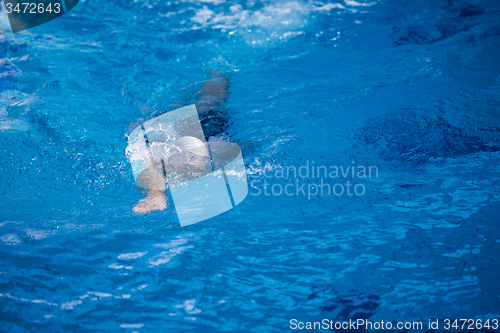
(210, 107)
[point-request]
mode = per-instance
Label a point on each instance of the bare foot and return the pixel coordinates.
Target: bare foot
(151, 203)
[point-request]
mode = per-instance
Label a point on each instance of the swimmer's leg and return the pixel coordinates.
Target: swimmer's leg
(213, 93)
(153, 183)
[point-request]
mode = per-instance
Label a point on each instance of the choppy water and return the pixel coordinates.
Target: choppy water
(411, 87)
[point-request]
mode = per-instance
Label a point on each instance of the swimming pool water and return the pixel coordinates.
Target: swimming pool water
(411, 87)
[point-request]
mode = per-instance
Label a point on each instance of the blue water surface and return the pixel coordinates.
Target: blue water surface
(411, 87)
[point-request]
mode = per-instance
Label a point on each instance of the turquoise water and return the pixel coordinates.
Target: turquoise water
(411, 87)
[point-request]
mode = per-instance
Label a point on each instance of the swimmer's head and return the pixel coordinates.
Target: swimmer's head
(190, 157)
